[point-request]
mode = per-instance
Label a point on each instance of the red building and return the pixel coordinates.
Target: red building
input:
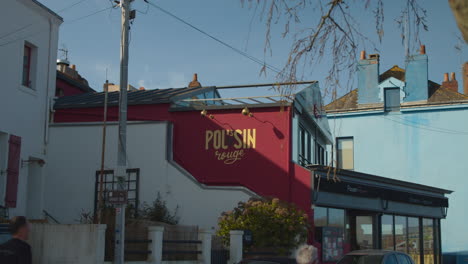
(69, 81)
(269, 146)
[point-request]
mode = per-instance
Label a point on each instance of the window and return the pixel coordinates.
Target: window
(305, 146)
(320, 216)
(27, 60)
(400, 234)
(428, 236)
(387, 232)
(413, 239)
(345, 153)
(319, 155)
(110, 183)
(392, 99)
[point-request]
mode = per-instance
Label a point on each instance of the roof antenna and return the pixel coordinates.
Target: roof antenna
(64, 51)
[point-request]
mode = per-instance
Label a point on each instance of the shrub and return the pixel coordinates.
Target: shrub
(273, 223)
(159, 212)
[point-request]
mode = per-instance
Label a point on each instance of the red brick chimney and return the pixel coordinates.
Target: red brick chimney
(465, 78)
(452, 83)
(194, 83)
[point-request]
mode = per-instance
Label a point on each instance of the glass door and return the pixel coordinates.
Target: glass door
(362, 230)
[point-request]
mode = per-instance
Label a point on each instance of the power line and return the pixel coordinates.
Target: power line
(70, 6)
(92, 14)
(263, 64)
(428, 129)
(437, 128)
(66, 22)
(14, 31)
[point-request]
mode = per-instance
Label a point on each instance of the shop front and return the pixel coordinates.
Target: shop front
(357, 211)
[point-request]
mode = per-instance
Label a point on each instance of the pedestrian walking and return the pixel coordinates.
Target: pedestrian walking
(17, 250)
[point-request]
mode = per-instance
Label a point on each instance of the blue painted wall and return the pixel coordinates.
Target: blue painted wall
(368, 80)
(427, 147)
(416, 78)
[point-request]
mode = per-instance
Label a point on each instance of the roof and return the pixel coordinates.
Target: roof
(379, 179)
(47, 9)
(156, 96)
(183, 99)
(437, 93)
(75, 83)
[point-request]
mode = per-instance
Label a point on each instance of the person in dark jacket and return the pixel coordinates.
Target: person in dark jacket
(17, 250)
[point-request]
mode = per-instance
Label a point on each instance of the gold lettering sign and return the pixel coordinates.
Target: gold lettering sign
(230, 145)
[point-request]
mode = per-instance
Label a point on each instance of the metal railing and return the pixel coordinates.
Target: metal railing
(49, 216)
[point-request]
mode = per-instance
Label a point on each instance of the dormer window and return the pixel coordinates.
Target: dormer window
(392, 99)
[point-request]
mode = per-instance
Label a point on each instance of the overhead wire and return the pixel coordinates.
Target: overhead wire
(66, 22)
(28, 25)
(70, 6)
(252, 58)
(426, 128)
(16, 30)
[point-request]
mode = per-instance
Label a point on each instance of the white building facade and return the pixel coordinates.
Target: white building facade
(28, 48)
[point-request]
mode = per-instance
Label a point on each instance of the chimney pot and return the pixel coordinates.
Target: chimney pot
(423, 49)
(73, 66)
(452, 76)
(374, 56)
(446, 77)
(363, 55)
(195, 82)
(465, 78)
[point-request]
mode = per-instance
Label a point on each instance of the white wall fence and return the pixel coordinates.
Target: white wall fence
(76, 244)
(54, 244)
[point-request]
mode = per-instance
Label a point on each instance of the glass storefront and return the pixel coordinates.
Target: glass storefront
(388, 232)
(417, 236)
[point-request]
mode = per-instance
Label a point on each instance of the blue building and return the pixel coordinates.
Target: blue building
(401, 125)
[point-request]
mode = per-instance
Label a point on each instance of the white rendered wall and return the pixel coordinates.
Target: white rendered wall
(75, 156)
(25, 110)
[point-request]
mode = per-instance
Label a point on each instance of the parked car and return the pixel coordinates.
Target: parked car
(376, 257)
(269, 260)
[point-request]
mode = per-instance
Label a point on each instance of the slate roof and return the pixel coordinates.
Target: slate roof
(437, 93)
(156, 96)
(80, 85)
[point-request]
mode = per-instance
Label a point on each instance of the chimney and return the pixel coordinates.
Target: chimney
(194, 83)
(452, 83)
(422, 51)
(416, 77)
(465, 78)
(142, 88)
(368, 79)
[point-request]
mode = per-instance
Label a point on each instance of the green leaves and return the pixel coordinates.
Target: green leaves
(274, 223)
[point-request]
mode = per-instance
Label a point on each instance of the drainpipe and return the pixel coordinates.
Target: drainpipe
(47, 105)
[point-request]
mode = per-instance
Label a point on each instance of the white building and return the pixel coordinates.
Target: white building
(28, 51)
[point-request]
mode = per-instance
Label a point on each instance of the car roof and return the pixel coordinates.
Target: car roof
(371, 252)
(282, 260)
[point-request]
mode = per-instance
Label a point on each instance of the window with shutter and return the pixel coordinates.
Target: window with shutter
(14, 150)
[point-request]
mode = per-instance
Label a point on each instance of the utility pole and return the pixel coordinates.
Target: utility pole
(121, 170)
(98, 216)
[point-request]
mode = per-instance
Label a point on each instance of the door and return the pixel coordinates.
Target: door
(362, 230)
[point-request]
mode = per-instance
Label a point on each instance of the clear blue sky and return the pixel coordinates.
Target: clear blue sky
(165, 53)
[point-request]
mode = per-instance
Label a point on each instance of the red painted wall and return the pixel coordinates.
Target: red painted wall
(67, 88)
(266, 169)
(201, 142)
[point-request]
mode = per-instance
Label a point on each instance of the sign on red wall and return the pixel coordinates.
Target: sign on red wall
(234, 149)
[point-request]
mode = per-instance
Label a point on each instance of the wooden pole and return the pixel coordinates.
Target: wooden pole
(103, 153)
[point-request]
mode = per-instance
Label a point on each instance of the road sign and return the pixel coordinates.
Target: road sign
(117, 197)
